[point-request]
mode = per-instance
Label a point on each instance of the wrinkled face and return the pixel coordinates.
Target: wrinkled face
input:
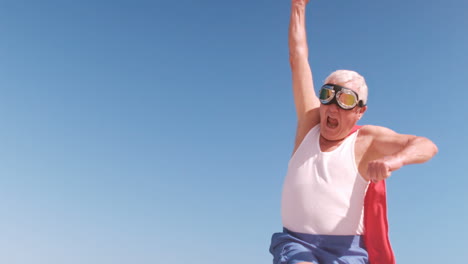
(335, 122)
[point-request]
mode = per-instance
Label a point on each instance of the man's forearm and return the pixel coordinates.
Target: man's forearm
(297, 32)
(304, 96)
(418, 150)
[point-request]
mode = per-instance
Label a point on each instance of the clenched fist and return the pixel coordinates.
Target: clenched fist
(381, 169)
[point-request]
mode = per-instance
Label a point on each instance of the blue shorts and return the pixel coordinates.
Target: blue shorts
(290, 248)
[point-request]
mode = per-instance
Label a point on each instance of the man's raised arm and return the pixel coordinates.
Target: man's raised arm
(306, 101)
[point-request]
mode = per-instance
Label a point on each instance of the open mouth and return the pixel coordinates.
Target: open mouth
(332, 122)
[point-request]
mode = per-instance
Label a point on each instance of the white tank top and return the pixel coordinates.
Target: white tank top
(323, 192)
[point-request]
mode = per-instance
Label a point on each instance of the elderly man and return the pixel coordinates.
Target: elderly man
(333, 201)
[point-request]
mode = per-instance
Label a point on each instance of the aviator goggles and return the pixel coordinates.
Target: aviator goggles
(345, 98)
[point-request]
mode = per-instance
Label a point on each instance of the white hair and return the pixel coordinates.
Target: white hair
(350, 79)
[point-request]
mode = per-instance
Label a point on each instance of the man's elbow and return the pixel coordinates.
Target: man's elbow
(298, 54)
(435, 149)
(431, 147)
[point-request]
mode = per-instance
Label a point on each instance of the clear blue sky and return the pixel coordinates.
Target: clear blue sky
(160, 131)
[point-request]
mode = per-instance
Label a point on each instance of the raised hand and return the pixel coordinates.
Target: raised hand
(300, 2)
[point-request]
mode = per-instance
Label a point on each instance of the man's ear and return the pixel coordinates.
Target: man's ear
(361, 112)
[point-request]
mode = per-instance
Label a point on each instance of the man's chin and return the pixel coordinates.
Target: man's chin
(333, 133)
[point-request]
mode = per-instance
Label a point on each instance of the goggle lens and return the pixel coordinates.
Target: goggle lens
(347, 99)
(326, 94)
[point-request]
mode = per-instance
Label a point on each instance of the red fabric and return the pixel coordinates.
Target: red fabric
(376, 224)
(354, 129)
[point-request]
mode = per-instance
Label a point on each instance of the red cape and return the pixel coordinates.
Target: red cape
(376, 223)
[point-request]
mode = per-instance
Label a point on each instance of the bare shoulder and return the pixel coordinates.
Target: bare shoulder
(365, 139)
(304, 125)
(382, 140)
(369, 133)
(383, 134)
(376, 131)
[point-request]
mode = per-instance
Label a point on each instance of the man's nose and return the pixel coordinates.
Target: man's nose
(333, 107)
